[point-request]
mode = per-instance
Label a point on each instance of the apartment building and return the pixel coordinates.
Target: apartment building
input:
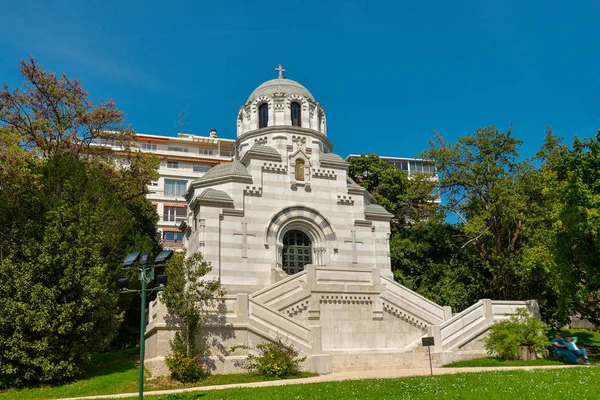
(183, 159)
(412, 166)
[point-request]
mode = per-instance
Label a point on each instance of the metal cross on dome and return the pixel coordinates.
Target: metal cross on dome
(280, 70)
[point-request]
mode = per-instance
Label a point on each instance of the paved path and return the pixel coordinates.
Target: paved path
(338, 376)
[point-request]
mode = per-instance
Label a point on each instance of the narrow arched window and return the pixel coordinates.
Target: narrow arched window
(299, 170)
(263, 115)
(320, 127)
(295, 112)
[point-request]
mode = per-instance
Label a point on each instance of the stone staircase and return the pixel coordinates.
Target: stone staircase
(344, 321)
(357, 361)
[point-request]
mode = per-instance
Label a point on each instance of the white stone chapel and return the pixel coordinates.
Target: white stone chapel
(303, 252)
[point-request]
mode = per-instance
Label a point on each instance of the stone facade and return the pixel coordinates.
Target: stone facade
(303, 252)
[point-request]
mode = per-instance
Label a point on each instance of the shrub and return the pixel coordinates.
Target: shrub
(521, 330)
(275, 359)
(187, 297)
(183, 368)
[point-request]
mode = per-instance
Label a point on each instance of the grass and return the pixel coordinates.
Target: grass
(496, 362)
(566, 383)
(118, 372)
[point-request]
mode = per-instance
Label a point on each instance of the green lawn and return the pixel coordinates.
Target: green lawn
(495, 362)
(569, 383)
(118, 372)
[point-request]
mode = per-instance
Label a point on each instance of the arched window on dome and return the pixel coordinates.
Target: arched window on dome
(295, 113)
(263, 115)
(320, 122)
(299, 170)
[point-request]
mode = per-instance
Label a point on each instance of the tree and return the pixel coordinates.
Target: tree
(69, 214)
(430, 258)
(426, 253)
(501, 204)
(187, 296)
(409, 200)
(572, 179)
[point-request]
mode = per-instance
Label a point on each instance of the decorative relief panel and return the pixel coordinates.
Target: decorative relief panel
(345, 299)
(260, 100)
(298, 99)
(324, 173)
(262, 140)
(297, 309)
(299, 140)
(276, 168)
(409, 318)
(347, 200)
(253, 191)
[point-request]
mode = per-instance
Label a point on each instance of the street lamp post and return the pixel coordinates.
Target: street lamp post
(145, 275)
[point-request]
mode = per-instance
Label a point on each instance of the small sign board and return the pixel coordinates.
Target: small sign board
(427, 341)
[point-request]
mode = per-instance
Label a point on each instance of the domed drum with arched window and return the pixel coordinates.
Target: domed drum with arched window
(295, 113)
(297, 252)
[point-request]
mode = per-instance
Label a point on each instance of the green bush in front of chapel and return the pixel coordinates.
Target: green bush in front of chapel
(506, 338)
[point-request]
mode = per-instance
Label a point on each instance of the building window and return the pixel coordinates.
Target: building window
(206, 152)
(299, 170)
(201, 167)
(148, 146)
(171, 236)
(320, 127)
(179, 149)
(175, 187)
(295, 112)
(173, 164)
(174, 214)
(263, 115)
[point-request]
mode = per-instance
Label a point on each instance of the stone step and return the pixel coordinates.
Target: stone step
(382, 360)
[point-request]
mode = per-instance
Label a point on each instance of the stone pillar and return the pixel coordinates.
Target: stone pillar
(488, 311)
(534, 308)
(447, 312)
(435, 332)
(242, 309)
(311, 275)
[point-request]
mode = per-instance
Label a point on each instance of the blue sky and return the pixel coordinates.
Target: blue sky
(388, 73)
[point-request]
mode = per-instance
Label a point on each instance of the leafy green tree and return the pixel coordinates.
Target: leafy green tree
(58, 298)
(427, 254)
(409, 200)
(187, 296)
(501, 205)
(572, 178)
(68, 216)
(430, 258)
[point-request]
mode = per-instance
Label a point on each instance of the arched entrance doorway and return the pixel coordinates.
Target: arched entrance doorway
(297, 251)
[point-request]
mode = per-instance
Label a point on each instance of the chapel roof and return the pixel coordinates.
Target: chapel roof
(262, 151)
(261, 148)
(280, 85)
(332, 160)
(377, 210)
(213, 194)
(234, 168)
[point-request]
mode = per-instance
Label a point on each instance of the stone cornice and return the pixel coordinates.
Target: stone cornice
(254, 155)
(185, 228)
(217, 180)
(361, 191)
(284, 129)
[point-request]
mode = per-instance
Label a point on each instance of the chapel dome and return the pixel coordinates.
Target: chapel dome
(280, 85)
